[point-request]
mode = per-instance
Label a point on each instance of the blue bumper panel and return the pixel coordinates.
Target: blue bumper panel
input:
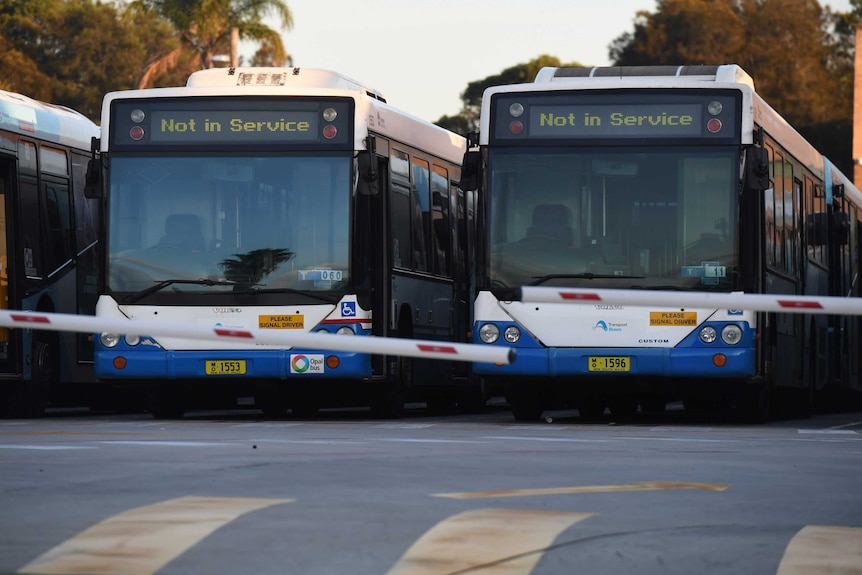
(670, 362)
(153, 363)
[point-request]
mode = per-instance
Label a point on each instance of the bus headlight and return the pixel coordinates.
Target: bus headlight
(109, 339)
(132, 340)
(489, 333)
(512, 334)
(731, 334)
(708, 334)
(345, 330)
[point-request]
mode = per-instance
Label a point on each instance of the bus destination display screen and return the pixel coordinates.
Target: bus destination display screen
(598, 121)
(233, 126)
(157, 123)
(607, 115)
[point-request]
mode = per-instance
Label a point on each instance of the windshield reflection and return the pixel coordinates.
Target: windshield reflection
(277, 222)
(588, 218)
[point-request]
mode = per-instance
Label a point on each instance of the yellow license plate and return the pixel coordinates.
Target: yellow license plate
(617, 363)
(225, 367)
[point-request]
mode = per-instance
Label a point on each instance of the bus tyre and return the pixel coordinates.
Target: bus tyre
(166, 403)
(30, 398)
(755, 405)
(623, 408)
(525, 406)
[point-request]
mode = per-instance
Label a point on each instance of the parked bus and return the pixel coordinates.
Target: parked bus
(659, 178)
(285, 199)
(48, 251)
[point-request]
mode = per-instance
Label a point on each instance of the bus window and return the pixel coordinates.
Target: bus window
(59, 229)
(440, 226)
(400, 208)
(421, 216)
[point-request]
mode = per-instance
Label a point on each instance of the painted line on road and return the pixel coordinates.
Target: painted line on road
(143, 540)
(825, 550)
(648, 486)
(548, 439)
(490, 541)
(159, 443)
(831, 431)
(46, 447)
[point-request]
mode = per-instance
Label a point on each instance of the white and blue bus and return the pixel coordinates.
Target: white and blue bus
(48, 251)
(659, 178)
(287, 199)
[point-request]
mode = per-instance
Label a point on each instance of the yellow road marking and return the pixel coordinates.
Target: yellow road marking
(486, 541)
(823, 550)
(143, 540)
(649, 486)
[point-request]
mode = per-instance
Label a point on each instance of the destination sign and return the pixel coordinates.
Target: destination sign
(624, 120)
(185, 126)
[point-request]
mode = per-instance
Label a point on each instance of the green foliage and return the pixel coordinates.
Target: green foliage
(800, 56)
(467, 119)
(72, 52)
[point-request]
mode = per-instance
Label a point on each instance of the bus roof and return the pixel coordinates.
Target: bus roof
(373, 113)
(28, 117)
(730, 73)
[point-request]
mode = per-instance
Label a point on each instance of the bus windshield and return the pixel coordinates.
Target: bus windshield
(657, 217)
(237, 223)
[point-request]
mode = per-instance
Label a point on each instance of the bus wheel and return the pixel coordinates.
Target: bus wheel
(166, 403)
(623, 408)
(591, 408)
(754, 403)
(305, 405)
(272, 403)
(525, 406)
(30, 398)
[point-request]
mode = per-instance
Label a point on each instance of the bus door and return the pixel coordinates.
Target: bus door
(6, 186)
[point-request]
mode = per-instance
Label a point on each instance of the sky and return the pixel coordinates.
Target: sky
(422, 54)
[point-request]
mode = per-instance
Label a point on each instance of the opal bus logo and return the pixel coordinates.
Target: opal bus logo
(301, 363)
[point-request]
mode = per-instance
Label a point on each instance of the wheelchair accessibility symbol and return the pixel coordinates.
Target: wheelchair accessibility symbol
(348, 309)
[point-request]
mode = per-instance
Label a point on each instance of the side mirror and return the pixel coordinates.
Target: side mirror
(93, 179)
(471, 170)
(757, 169)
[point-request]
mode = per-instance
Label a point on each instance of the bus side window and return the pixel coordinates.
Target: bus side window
(440, 224)
(400, 209)
(423, 249)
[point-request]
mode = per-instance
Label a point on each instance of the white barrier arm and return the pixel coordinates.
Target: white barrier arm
(428, 349)
(753, 302)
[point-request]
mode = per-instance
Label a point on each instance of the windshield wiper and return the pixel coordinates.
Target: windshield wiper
(165, 283)
(310, 294)
(539, 280)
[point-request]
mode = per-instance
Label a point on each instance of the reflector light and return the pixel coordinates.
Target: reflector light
(332, 361)
(136, 133)
(516, 127)
(119, 362)
(714, 125)
(329, 132)
(719, 360)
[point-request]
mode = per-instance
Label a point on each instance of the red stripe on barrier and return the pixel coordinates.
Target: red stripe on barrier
(436, 348)
(30, 318)
(234, 333)
(589, 296)
(800, 304)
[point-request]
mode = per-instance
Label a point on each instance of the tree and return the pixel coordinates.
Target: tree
(203, 28)
(467, 119)
(797, 53)
(72, 52)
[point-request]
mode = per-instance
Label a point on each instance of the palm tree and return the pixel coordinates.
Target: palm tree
(204, 28)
